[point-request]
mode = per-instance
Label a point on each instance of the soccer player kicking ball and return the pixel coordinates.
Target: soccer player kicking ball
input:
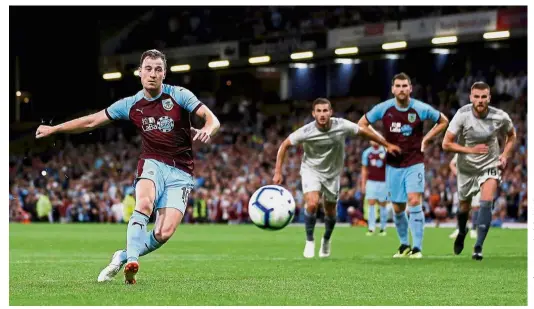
(475, 204)
(164, 178)
(478, 127)
(374, 185)
(403, 119)
(323, 141)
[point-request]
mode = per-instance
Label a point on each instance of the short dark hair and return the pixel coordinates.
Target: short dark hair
(153, 54)
(401, 76)
(480, 86)
(321, 101)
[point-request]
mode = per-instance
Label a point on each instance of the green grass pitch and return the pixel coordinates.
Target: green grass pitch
(243, 265)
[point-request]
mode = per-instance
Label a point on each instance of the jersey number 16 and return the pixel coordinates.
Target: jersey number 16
(492, 172)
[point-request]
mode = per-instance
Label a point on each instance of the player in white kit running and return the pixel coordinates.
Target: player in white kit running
(478, 127)
(323, 141)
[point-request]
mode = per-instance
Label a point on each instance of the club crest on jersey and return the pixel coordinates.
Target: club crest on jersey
(412, 117)
(165, 124)
(382, 155)
(167, 104)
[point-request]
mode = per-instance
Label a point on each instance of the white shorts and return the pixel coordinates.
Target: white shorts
(469, 185)
(329, 188)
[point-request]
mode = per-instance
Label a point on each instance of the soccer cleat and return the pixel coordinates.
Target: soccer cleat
(403, 251)
(369, 233)
(309, 249)
(459, 243)
(415, 253)
(382, 233)
(325, 248)
(473, 234)
(454, 234)
(130, 270)
(477, 254)
(108, 273)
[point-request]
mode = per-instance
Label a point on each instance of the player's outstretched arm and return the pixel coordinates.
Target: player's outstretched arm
(449, 144)
(441, 126)
(211, 125)
(78, 125)
(280, 157)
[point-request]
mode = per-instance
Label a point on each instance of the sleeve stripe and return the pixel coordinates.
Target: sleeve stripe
(107, 114)
(196, 108)
(439, 116)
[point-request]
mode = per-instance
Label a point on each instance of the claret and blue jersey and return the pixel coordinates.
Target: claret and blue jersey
(163, 122)
(374, 159)
(404, 128)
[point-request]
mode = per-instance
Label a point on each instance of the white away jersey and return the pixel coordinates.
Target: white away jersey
(472, 131)
(324, 151)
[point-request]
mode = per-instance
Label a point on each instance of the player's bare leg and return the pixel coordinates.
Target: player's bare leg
(145, 192)
(416, 223)
(463, 215)
(310, 217)
(383, 218)
(401, 224)
(487, 194)
(329, 222)
(371, 217)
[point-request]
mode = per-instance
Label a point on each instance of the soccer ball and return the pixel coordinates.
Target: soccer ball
(271, 207)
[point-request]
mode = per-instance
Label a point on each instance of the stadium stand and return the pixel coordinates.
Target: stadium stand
(88, 178)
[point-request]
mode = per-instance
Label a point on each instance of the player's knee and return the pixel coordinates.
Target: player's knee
(312, 208)
(464, 207)
(414, 200)
(144, 204)
(312, 205)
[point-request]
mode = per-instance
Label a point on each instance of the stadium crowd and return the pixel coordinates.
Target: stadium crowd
(93, 182)
(182, 26)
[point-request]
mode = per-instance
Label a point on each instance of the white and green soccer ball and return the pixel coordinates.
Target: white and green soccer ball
(271, 207)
